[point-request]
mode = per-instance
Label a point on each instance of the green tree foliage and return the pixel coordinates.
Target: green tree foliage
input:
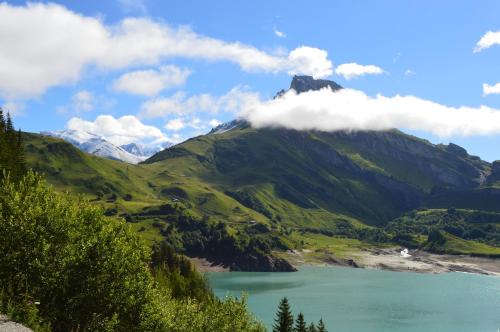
(199, 237)
(435, 236)
(65, 264)
(284, 321)
(228, 315)
(312, 328)
(284, 317)
(178, 274)
(11, 148)
(86, 271)
(476, 225)
(300, 324)
(321, 326)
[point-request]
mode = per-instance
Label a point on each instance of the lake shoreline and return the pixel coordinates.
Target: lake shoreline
(203, 265)
(391, 259)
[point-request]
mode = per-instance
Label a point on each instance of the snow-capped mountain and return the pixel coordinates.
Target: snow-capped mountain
(142, 150)
(227, 126)
(98, 146)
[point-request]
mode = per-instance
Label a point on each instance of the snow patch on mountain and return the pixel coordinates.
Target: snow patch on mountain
(225, 127)
(144, 151)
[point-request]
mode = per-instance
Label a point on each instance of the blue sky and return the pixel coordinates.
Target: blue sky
(424, 48)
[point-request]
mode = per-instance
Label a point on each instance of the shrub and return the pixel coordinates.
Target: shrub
(85, 270)
(65, 265)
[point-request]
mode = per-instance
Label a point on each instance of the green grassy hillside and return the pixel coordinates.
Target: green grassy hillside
(291, 183)
(68, 168)
(445, 243)
(315, 178)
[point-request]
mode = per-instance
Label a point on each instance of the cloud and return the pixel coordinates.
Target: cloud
(197, 123)
(349, 109)
(151, 82)
(278, 33)
(130, 6)
(14, 107)
(119, 131)
(491, 89)
(309, 61)
(179, 104)
(49, 48)
(175, 124)
(489, 39)
(214, 123)
(193, 123)
(54, 45)
(409, 72)
(352, 70)
(83, 101)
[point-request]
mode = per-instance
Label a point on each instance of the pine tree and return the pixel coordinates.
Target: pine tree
(321, 326)
(312, 328)
(300, 324)
(2, 121)
(284, 317)
(9, 126)
(11, 148)
(20, 162)
(3, 144)
(10, 135)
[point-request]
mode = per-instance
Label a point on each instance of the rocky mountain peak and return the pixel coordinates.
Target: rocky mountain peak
(306, 83)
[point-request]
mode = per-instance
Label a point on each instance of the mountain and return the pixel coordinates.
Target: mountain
(286, 188)
(301, 177)
(313, 177)
(306, 83)
(144, 151)
(131, 153)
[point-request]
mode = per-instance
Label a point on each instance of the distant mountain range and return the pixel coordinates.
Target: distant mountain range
(132, 153)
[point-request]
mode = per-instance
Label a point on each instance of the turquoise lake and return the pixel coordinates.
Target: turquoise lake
(372, 300)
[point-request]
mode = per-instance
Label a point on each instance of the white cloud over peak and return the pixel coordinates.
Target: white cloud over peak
(214, 123)
(53, 46)
(491, 89)
(119, 131)
(151, 82)
(352, 70)
(236, 100)
(488, 40)
(349, 109)
(309, 61)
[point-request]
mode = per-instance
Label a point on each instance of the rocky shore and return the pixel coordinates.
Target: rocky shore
(425, 262)
(391, 259)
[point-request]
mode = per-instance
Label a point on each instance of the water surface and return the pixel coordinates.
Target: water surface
(372, 300)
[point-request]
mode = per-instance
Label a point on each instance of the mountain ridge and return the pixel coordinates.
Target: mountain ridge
(132, 153)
